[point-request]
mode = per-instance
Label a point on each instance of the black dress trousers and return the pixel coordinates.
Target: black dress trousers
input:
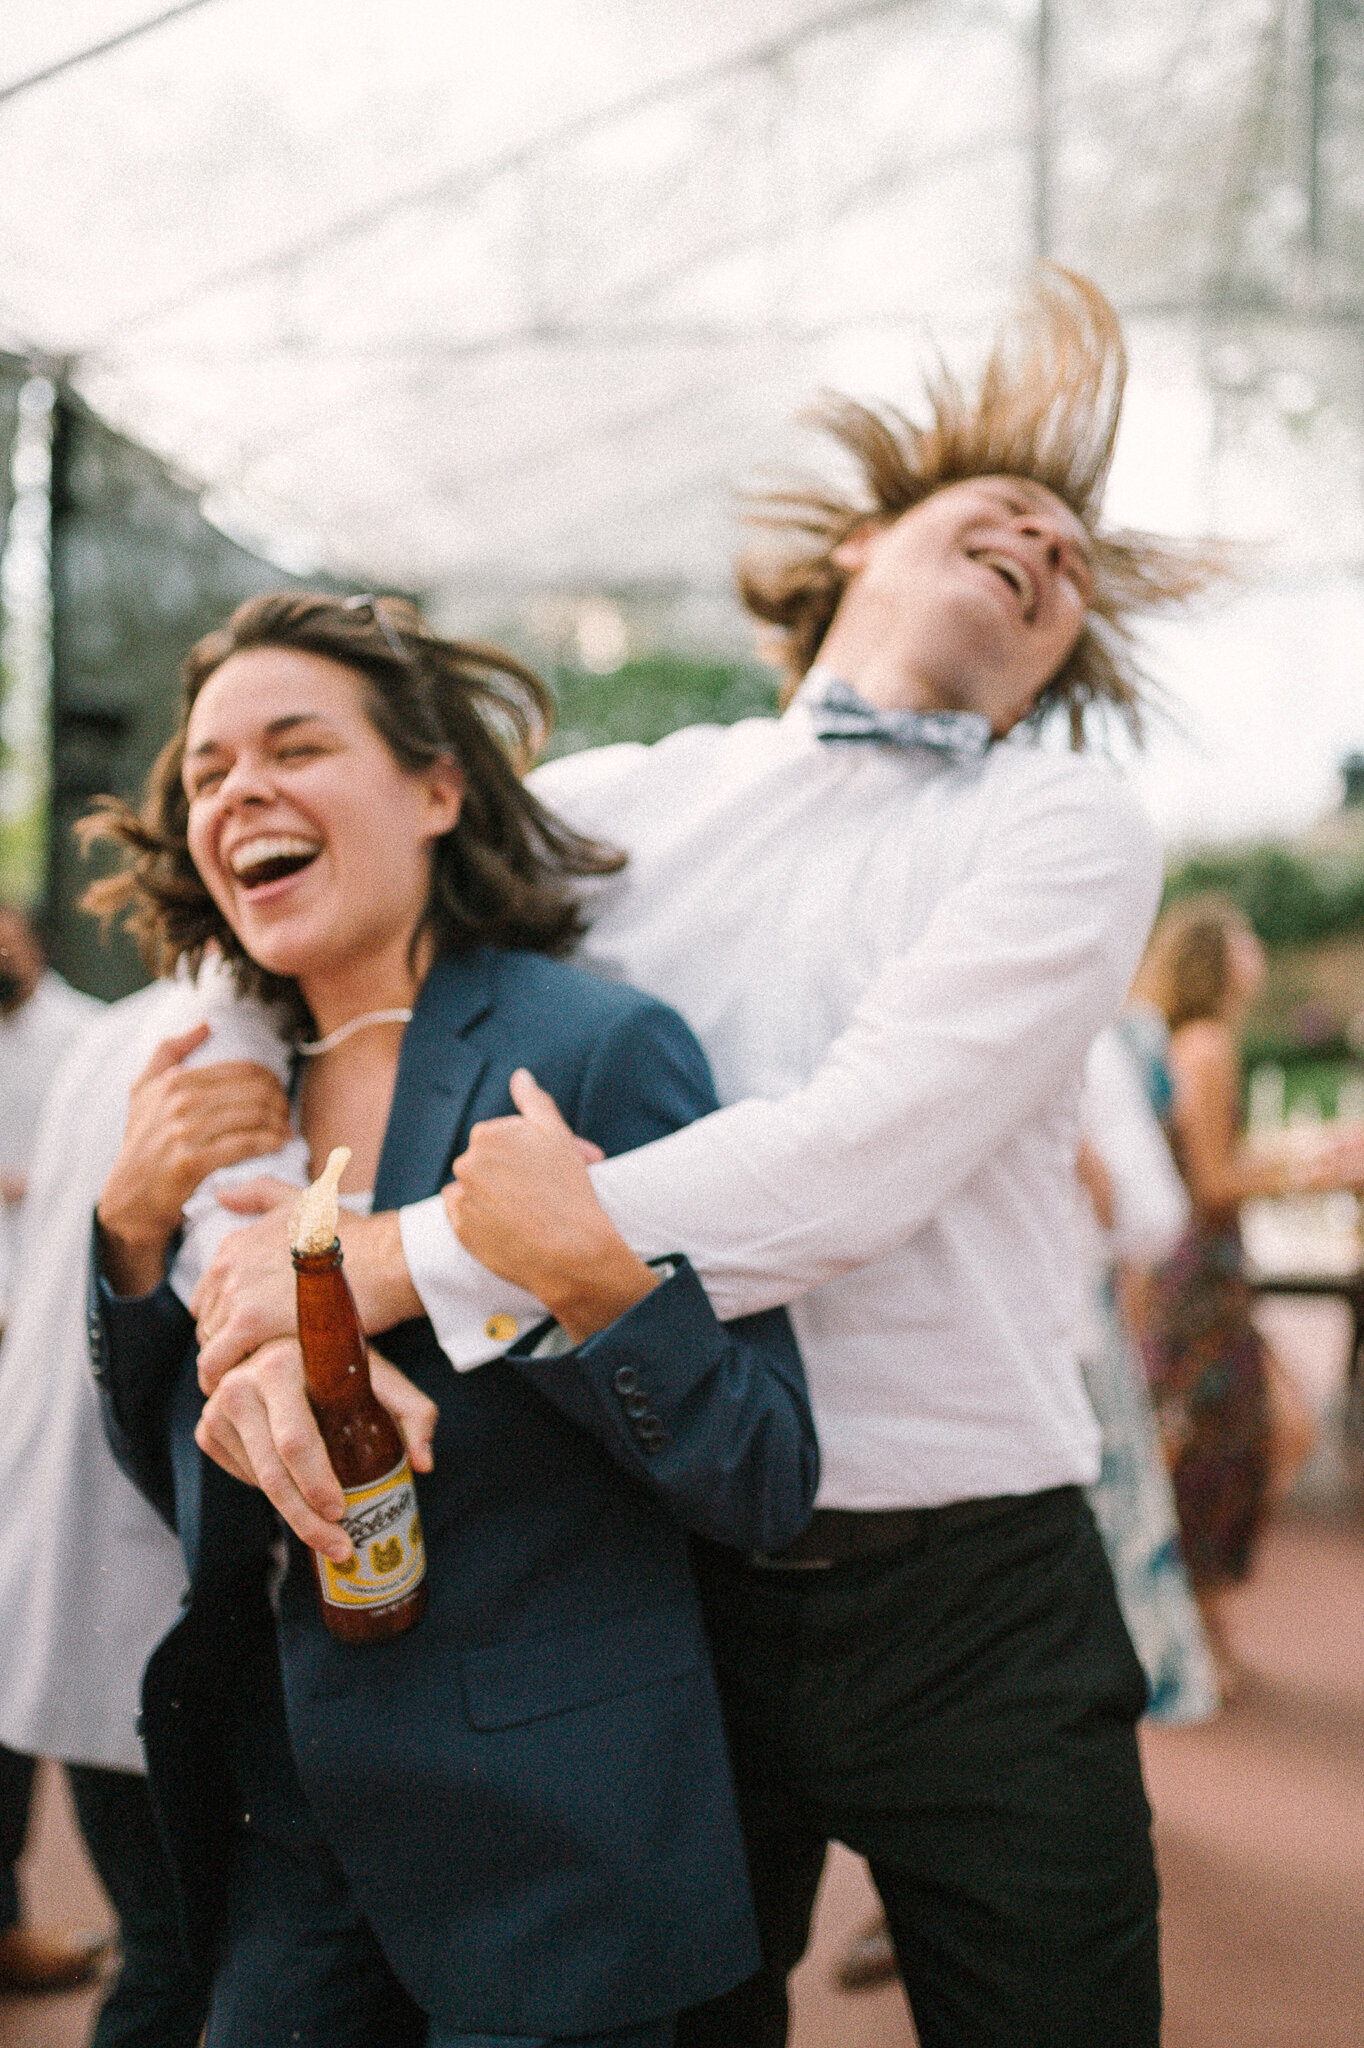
(961, 1711)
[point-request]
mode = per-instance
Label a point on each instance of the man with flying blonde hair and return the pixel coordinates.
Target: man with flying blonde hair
(896, 922)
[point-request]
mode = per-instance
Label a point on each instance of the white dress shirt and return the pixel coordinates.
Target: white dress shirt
(896, 966)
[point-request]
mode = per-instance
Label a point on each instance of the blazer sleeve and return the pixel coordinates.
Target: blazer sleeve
(712, 1417)
(138, 1348)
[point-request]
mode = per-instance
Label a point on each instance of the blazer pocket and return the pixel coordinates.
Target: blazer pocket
(508, 1684)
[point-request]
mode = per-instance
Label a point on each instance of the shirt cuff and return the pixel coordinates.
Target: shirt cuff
(556, 1342)
(474, 1314)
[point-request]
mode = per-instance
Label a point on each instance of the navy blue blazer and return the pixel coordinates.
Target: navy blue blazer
(529, 1792)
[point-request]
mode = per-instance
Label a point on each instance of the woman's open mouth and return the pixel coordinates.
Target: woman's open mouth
(270, 857)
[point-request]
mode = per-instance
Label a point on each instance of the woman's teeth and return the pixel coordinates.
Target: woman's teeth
(270, 857)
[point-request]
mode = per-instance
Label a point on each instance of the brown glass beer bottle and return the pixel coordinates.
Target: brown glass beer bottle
(381, 1591)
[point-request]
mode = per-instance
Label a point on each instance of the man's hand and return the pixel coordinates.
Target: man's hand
(259, 1426)
(248, 1296)
(182, 1124)
(523, 1204)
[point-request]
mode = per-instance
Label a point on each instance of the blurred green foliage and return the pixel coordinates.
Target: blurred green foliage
(22, 846)
(1288, 898)
(1315, 1084)
(1301, 905)
(653, 696)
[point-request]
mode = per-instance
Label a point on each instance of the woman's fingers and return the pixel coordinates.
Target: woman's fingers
(248, 1295)
(414, 1412)
(243, 1315)
(204, 1155)
(258, 1425)
(218, 1440)
(182, 1126)
(254, 1462)
(203, 1107)
(171, 1051)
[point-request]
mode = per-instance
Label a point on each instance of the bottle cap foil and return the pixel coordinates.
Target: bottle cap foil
(312, 1227)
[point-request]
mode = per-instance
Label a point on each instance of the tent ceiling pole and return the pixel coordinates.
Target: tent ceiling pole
(100, 49)
(1042, 224)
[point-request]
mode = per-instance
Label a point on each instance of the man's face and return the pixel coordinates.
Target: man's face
(983, 590)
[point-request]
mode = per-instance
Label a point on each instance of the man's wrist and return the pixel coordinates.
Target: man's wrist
(377, 1270)
(592, 1295)
(133, 1261)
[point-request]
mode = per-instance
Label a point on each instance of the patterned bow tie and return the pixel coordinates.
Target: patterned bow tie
(838, 713)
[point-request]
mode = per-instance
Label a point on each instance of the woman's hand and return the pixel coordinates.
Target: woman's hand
(259, 1427)
(1335, 1162)
(182, 1125)
(522, 1203)
(248, 1295)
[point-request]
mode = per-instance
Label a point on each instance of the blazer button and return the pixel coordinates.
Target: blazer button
(637, 1407)
(652, 1435)
(625, 1379)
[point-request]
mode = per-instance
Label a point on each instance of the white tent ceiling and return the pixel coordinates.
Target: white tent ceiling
(491, 301)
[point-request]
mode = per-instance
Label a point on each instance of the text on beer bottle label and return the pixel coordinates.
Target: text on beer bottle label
(390, 1559)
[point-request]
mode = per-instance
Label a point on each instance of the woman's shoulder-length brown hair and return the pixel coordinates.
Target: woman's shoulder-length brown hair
(505, 875)
(1186, 970)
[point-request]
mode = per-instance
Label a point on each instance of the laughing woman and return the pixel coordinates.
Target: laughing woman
(514, 1822)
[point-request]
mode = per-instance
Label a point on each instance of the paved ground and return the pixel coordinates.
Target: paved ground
(1260, 1833)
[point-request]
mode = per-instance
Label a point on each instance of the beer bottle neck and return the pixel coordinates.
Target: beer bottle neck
(335, 1361)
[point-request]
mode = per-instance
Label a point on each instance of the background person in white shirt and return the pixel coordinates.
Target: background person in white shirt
(90, 1577)
(896, 956)
(39, 1016)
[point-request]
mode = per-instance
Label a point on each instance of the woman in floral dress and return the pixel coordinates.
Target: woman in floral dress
(1230, 1423)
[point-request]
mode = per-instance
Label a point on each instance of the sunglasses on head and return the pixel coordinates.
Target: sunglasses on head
(366, 601)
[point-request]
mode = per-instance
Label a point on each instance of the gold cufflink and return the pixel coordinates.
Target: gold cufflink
(501, 1329)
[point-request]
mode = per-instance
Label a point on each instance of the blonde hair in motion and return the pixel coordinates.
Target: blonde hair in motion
(1046, 408)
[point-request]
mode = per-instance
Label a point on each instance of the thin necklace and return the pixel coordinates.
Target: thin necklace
(311, 1047)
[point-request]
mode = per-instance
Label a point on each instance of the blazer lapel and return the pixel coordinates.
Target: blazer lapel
(434, 1082)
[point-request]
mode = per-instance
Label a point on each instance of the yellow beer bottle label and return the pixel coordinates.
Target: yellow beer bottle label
(390, 1558)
